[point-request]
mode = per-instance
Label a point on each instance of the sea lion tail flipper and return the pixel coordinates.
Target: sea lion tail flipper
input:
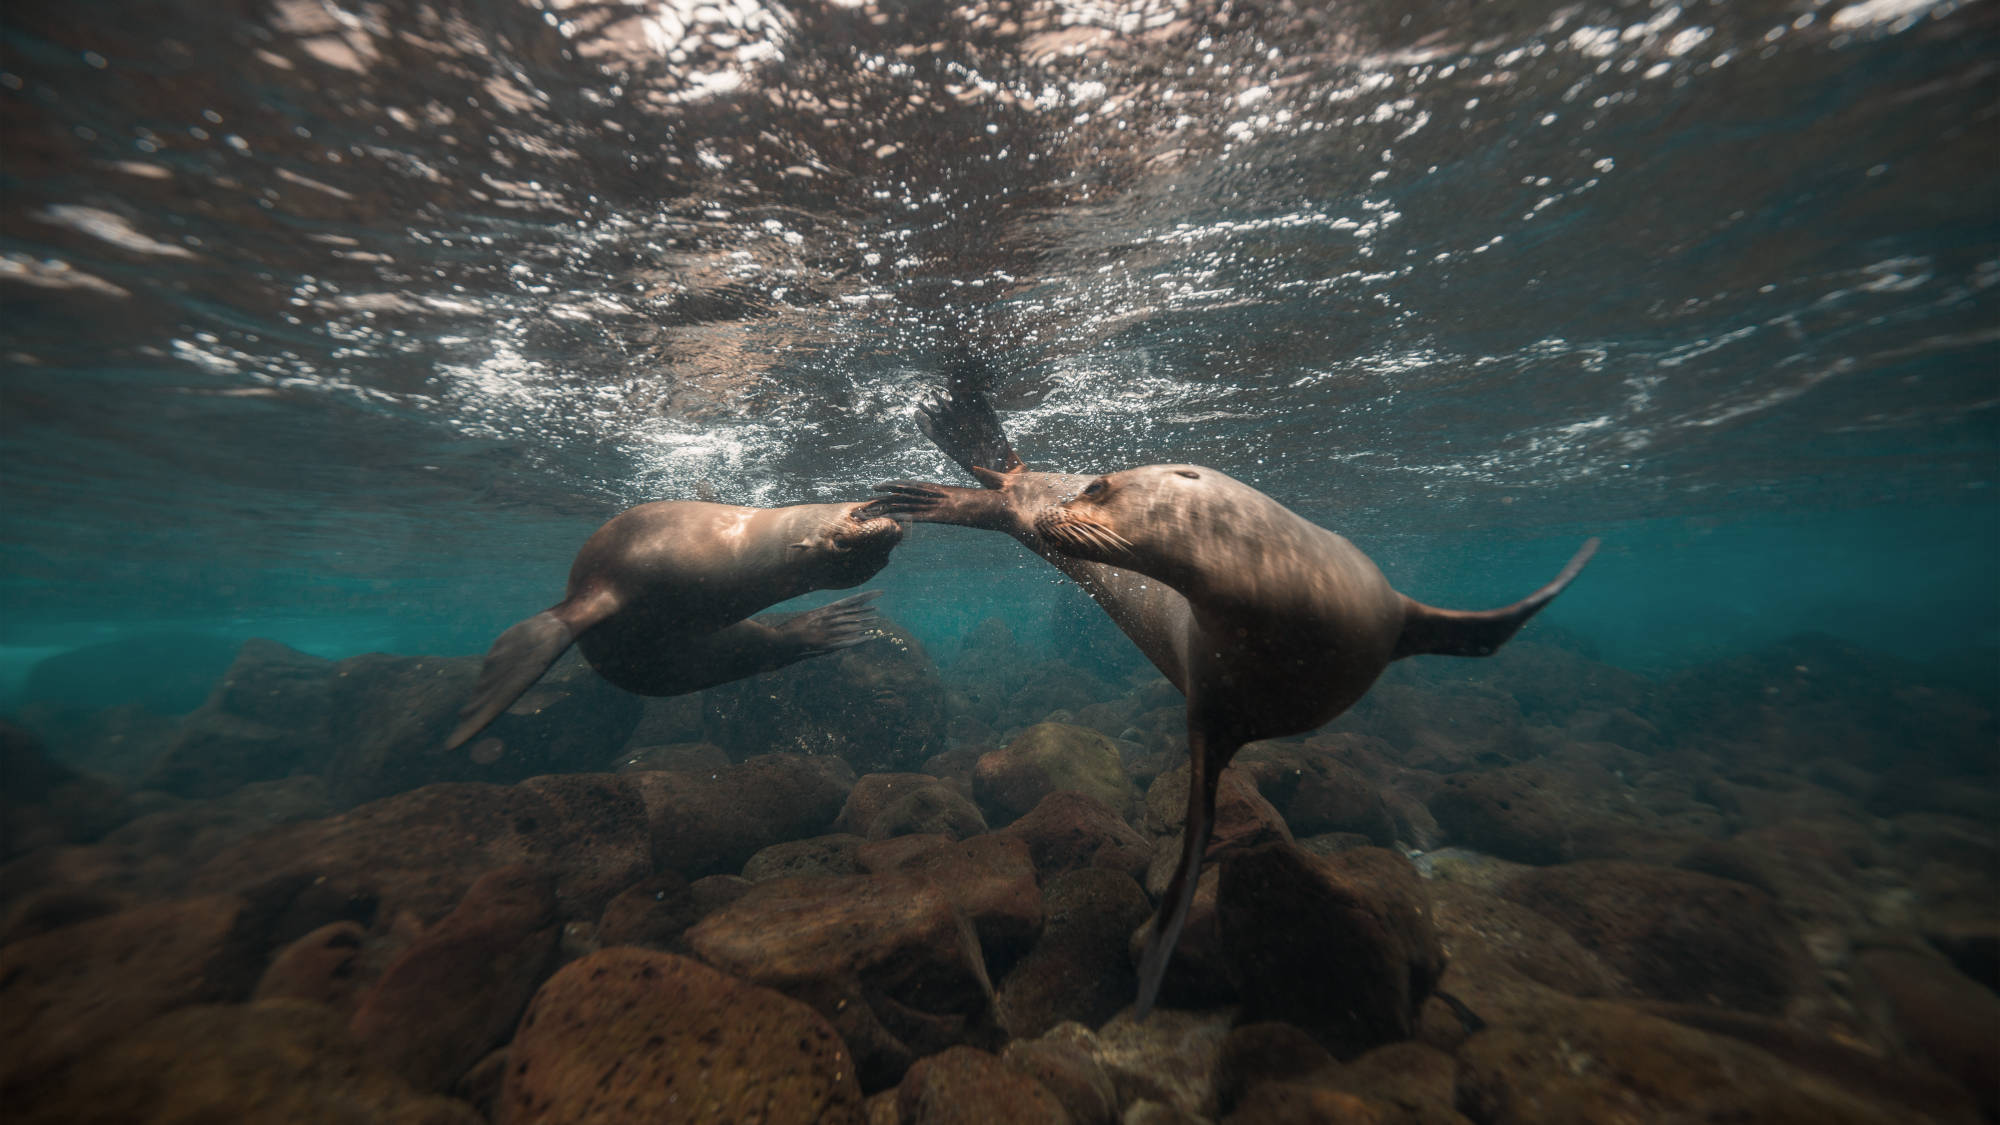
(519, 657)
(960, 422)
(838, 625)
(1166, 931)
(1459, 632)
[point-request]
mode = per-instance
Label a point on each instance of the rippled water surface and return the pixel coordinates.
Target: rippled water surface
(345, 322)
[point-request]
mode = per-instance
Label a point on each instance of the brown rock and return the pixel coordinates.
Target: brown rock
(1589, 1061)
(1469, 918)
(965, 1086)
(1070, 1072)
(1341, 945)
(882, 805)
(323, 967)
(1169, 1058)
(1079, 970)
(44, 803)
(420, 851)
(1066, 831)
(1256, 1053)
(887, 958)
(1675, 935)
(73, 988)
(1243, 820)
(278, 1062)
(712, 822)
(816, 855)
(631, 1035)
(1048, 758)
(654, 913)
(1941, 1015)
(455, 993)
(989, 879)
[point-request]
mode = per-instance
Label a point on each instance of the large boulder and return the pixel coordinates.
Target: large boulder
(889, 959)
(882, 805)
(280, 1062)
(44, 803)
(990, 879)
(1243, 820)
(1341, 945)
(635, 1036)
(266, 718)
(76, 987)
(420, 851)
(1048, 758)
(1079, 969)
(1067, 831)
(712, 821)
(456, 992)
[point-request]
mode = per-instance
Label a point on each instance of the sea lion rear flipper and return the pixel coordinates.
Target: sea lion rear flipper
(519, 657)
(1458, 632)
(837, 625)
(1166, 931)
(960, 422)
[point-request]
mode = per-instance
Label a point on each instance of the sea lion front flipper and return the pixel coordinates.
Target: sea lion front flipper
(1460, 632)
(1166, 931)
(520, 656)
(923, 502)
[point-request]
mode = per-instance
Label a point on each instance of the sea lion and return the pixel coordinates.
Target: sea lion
(660, 599)
(1289, 625)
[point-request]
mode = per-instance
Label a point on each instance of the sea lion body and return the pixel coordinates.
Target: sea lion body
(660, 597)
(1290, 625)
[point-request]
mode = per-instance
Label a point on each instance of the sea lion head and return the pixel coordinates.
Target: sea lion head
(846, 546)
(1141, 519)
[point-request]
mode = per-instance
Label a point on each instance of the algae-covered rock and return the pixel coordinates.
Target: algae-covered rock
(882, 805)
(1048, 758)
(635, 1036)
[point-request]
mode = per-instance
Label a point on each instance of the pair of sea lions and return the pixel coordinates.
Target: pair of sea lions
(1269, 624)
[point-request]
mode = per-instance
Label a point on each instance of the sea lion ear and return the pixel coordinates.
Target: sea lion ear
(992, 479)
(1188, 473)
(801, 545)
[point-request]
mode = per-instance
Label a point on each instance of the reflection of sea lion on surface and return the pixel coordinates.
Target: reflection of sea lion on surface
(660, 599)
(1270, 625)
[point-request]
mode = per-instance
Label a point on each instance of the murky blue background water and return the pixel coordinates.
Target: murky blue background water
(345, 324)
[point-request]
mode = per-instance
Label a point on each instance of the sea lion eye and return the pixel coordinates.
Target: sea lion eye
(1188, 473)
(1096, 488)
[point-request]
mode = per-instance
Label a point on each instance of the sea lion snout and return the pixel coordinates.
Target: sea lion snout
(1080, 533)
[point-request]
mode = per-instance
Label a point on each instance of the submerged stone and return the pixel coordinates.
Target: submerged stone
(631, 1037)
